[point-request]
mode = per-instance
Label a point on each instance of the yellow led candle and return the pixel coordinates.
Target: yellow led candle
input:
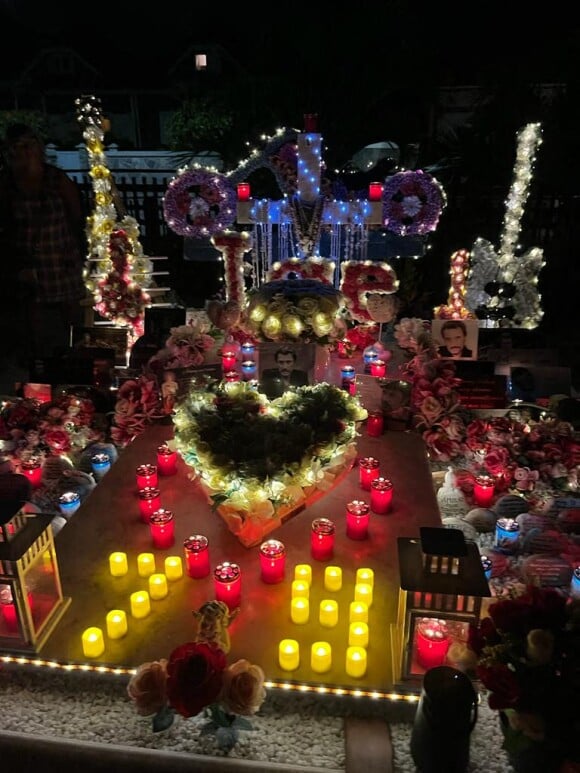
(363, 592)
(356, 661)
(328, 614)
(118, 564)
(358, 635)
(157, 586)
(300, 588)
(140, 604)
(93, 642)
(145, 564)
(300, 610)
(303, 572)
(320, 657)
(173, 568)
(116, 624)
(365, 575)
(289, 654)
(358, 612)
(333, 578)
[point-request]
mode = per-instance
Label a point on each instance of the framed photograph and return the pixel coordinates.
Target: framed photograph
(102, 337)
(396, 402)
(456, 339)
(282, 366)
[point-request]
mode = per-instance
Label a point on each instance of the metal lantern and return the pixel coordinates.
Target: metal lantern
(441, 590)
(31, 600)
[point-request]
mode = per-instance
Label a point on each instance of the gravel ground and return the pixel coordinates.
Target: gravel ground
(302, 730)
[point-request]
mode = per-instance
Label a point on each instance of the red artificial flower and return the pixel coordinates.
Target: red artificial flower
(496, 460)
(502, 683)
(477, 428)
(511, 615)
(194, 677)
(58, 440)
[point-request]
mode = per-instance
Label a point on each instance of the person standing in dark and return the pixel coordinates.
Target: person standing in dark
(42, 245)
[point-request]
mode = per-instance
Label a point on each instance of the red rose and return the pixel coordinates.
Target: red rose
(511, 615)
(476, 428)
(496, 460)
(194, 677)
(58, 440)
(502, 683)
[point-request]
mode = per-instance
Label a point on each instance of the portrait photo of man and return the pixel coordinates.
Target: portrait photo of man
(288, 372)
(456, 338)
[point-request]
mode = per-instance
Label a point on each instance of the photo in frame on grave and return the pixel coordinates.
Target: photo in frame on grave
(284, 365)
(102, 337)
(396, 403)
(456, 339)
(176, 383)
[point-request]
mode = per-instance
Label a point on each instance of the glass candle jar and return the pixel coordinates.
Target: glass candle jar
(196, 549)
(166, 460)
(368, 470)
(248, 349)
(272, 561)
(507, 533)
(575, 583)
(357, 520)
(162, 526)
(69, 503)
(375, 424)
(231, 376)
(149, 502)
(381, 495)
(32, 469)
(322, 539)
(101, 464)
(249, 369)
(483, 490)
(229, 359)
(378, 368)
(487, 566)
(432, 642)
(147, 476)
(228, 584)
(347, 376)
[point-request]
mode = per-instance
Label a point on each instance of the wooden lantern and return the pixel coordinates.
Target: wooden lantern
(441, 590)
(31, 600)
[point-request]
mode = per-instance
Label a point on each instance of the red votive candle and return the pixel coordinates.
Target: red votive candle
(368, 470)
(244, 191)
(166, 460)
(375, 424)
(375, 191)
(32, 469)
(322, 539)
(229, 360)
(272, 561)
(227, 579)
(381, 495)
(162, 528)
(432, 642)
(483, 490)
(231, 376)
(196, 549)
(8, 608)
(147, 476)
(378, 368)
(149, 502)
(357, 519)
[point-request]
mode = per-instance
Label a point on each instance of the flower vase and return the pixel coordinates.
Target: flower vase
(526, 755)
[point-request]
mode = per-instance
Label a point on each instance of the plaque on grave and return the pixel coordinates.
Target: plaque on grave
(546, 571)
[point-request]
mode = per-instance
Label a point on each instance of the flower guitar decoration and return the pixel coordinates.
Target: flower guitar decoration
(117, 296)
(361, 278)
(199, 203)
(412, 203)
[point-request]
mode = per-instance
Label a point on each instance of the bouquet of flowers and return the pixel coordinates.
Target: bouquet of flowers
(296, 310)
(528, 658)
(197, 680)
(187, 346)
(138, 405)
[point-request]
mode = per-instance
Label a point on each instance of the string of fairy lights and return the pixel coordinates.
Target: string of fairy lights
(55, 665)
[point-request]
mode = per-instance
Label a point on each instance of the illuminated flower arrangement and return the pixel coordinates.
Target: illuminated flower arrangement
(254, 455)
(295, 310)
(199, 202)
(360, 277)
(528, 659)
(412, 203)
(298, 268)
(118, 297)
(138, 405)
(197, 680)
